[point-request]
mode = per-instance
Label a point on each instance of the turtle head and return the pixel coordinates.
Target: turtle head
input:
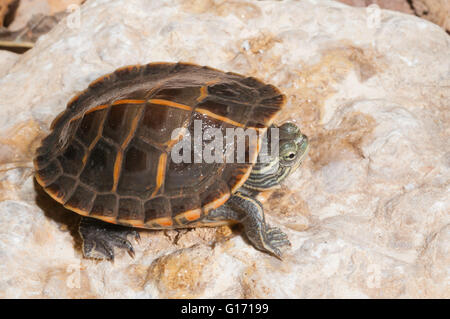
(293, 146)
(270, 171)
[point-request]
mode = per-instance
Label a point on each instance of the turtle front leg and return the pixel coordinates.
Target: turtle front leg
(100, 238)
(250, 213)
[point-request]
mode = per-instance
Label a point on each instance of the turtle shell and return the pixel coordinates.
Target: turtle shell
(108, 155)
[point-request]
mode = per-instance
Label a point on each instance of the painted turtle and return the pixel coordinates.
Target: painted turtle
(109, 158)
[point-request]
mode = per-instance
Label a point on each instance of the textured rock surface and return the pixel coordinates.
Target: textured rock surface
(368, 213)
(437, 11)
(397, 5)
(29, 8)
(7, 60)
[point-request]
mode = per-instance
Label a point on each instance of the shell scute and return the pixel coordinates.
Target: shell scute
(62, 188)
(130, 211)
(72, 158)
(155, 208)
(99, 168)
(105, 205)
(81, 200)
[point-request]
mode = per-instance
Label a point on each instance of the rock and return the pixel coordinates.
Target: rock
(397, 5)
(367, 214)
(29, 8)
(7, 60)
(435, 11)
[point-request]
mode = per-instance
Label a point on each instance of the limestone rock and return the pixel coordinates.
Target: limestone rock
(29, 8)
(7, 60)
(397, 5)
(367, 214)
(437, 11)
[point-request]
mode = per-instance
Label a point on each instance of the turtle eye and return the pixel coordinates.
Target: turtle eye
(288, 151)
(289, 157)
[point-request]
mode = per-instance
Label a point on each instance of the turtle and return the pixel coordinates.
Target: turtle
(109, 155)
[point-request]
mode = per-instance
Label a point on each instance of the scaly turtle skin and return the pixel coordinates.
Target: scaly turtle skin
(108, 155)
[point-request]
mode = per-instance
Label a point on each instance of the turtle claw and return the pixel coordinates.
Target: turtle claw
(99, 239)
(270, 241)
(98, 250)
(136, 235)
(277, 238)
(131, 252)
(274, 239)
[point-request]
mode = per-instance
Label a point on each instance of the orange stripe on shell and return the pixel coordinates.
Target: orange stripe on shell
(104, 106)
(98, 107)
(133, 222)
(199, 110)
(133, 128)
(119, 158)
(189, 215)
(119, 102)
(170, 103)
(160, 173)
(170, 143)
(163, 221)
(117, 169)
(203, 93)
(90, 148)
(216, 203)
(218, 117)
(204, 90)
(242, 180)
